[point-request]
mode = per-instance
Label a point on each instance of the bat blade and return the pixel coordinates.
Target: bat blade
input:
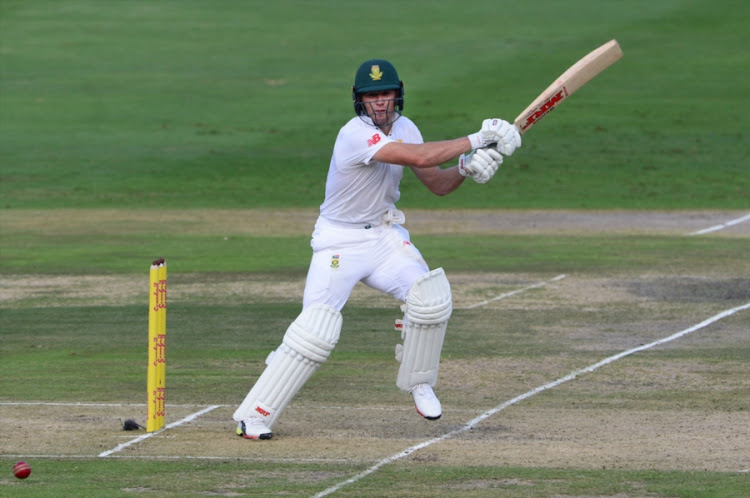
(567, 83)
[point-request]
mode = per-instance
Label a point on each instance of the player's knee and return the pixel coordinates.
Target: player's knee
(315, 332)
(430, 300)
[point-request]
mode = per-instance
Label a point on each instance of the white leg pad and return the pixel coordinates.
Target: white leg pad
(307, 344)
(428, 308)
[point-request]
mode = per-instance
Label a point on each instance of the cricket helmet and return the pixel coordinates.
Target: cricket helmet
(375, 75)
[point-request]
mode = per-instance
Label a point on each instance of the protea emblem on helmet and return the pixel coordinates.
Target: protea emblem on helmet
(375, 73)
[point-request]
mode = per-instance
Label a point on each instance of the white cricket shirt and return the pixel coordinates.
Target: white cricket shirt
(359, 191)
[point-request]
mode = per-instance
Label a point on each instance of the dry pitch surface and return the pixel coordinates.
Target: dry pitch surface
(645, 411)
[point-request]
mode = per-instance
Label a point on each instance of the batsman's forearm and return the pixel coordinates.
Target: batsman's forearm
(437, 153)
(440, 181)
(426, 155)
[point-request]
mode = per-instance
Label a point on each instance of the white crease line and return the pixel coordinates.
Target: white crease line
(513, 293)
(185, 420)
(723, 225)
(46, 403)
(528, 394)
(102, 405)
(192, 457)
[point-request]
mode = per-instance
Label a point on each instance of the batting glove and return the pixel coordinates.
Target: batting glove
(508, 138)
(486, 136)
(481, 165)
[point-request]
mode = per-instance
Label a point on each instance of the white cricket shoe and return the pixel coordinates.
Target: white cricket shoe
(428, 405)
(253, 428)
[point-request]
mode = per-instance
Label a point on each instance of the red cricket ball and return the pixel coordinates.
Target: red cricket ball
(21, 470)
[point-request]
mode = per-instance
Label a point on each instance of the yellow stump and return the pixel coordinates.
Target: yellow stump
(157, 345)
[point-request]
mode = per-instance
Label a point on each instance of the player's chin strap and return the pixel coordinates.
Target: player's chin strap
(428, 308)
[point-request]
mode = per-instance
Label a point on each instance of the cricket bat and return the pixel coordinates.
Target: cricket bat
(571, 80)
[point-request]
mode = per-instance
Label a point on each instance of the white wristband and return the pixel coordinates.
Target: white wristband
(463, 160)
(476, 140)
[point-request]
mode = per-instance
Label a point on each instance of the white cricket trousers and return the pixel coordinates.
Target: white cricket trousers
(381, 257)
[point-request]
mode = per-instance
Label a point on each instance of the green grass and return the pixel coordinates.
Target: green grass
(291, 255)
(180, 104)
(85, 478)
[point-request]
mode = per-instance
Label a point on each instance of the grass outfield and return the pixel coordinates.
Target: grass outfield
(201, 132)
(181, 104)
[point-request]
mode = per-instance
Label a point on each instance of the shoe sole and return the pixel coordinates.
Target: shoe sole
(240, 433)
(429, 418)
(262, 436)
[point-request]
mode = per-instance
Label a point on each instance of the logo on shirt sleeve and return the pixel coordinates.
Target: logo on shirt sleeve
(373, 140)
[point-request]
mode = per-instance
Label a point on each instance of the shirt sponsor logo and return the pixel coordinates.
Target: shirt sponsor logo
(373, 140)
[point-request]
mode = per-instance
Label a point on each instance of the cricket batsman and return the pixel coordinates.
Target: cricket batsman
(359, 237)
